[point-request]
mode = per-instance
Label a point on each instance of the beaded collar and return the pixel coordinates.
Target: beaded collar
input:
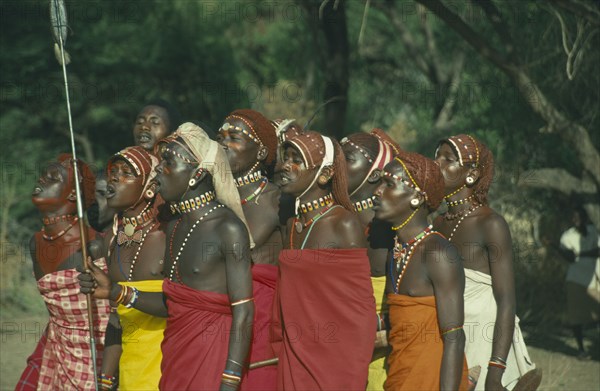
(462, 217)
(462, 213)
(460, 202)
(132, 224)
(193, 203)
(359, 206)
(316, 204)
(61, 233)
(57, 219)
(251, 177)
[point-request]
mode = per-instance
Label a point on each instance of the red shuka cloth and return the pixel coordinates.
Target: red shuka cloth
(264, 279)
(196, 338)
(326, 310)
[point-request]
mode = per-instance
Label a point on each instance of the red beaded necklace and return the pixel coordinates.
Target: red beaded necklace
(61, 233)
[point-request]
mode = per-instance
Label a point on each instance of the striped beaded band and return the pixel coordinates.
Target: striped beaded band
(316, 204)
(193, 203)
(359, 206)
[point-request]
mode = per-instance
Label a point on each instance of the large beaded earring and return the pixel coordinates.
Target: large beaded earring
(196, 177)
(469, 180)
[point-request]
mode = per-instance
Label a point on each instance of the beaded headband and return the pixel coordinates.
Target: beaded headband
(346, 140)
(253, 136)
(412, 182)
(463, 148)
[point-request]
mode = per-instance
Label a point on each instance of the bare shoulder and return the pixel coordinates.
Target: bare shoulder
(491, 222)
(439, 253)
(229, 226)
(347, 227)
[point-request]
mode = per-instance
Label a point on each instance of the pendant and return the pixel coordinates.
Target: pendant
(128, 229)
(299, 226)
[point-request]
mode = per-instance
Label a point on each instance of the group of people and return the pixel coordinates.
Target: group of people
(266, 256)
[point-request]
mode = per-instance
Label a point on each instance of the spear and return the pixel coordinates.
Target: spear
(58, 20)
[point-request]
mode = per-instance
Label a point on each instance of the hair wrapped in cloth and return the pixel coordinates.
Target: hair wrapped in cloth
(472, 152)
(261, 128)
(312, 147)
(212, 158)
(87, 179)
(426, 175)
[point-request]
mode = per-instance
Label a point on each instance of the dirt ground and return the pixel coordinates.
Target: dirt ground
(561, 369)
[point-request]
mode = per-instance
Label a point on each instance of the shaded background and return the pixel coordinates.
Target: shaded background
(520, 75)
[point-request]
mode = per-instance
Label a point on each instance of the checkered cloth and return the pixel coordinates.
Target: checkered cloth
(31, 374)
(66, 362)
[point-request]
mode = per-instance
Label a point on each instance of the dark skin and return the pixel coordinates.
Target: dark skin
(216, 257)
(53, 196)
(434, 270)
(484, 242)
(357, 169)
(339, 228)
(105, 213)
(151, 124)
(262, 211)
(122, 192)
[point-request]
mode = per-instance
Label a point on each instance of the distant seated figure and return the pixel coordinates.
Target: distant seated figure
(579, 244)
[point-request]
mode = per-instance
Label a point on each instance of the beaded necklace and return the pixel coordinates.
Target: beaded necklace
(316, 204)
(402, 254)
(57, 219)
(251, 177)
(359, 206)
(462, 213)
(131, 224)
(193, 203)
(174, 268)
(310, 223)
(61, 233)
(256, 192)
(137, 252)
(459, 202)
(471, 210)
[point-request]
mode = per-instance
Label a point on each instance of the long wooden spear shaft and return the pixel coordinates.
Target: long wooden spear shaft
(58, 19)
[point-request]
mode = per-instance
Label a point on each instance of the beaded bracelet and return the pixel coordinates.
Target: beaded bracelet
(498, 359)
(133, 299)
(106, 382)
(234, 373)
(496, 364)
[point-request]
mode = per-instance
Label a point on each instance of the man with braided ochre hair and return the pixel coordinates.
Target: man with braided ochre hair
(425, 279)
(208, 286)
(366, 156)
(324, 290)
(250, 142)
(134, 251)
(483, 239)
(63, 356)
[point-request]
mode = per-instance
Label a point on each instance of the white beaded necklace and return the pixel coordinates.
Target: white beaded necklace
(174, 266)
(138, 251)
(460, 221)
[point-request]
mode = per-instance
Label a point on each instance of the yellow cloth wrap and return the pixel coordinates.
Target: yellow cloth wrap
(377, 368)
(139, 366)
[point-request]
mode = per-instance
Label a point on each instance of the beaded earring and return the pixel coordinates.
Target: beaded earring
(149, 194)
(196, 177)
(322, 180)
(470, 180)
(414, 202)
